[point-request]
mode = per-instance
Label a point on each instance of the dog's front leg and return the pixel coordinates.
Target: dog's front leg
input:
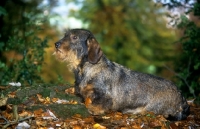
(95, 100)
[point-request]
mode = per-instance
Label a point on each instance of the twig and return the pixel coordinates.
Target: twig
(16, 116)
(6, 121)
(3, 87)
(182, 78)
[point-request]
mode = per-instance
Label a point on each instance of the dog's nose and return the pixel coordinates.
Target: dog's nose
(57, 44)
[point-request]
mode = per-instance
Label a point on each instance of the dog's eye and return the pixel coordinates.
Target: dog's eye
(74, 37)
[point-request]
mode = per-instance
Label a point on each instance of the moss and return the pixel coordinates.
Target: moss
(25, 94)
(63, 110)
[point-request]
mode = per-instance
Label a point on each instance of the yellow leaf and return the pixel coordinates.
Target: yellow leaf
(47, 100)
(73, 102)
(98, 126)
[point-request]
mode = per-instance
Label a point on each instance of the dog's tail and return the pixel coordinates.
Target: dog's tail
(182, 115)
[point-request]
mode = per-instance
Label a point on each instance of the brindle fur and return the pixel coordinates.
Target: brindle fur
(111, 86)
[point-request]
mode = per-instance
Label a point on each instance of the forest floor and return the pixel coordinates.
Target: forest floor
(56, 107)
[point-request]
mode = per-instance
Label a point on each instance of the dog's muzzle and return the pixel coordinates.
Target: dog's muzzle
(57, 44)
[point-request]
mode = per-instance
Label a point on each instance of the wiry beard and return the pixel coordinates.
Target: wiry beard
(70, 57)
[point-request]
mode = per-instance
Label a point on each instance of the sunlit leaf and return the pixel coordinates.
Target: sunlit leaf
(98, 126)
(70, 90)
(88, 101)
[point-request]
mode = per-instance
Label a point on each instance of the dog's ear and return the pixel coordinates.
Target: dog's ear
(94, 50)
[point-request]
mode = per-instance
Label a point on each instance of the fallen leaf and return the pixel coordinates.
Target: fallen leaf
(47, 100)
(62, 101)
(70, 90)
(25, 114)
(51, 114)
(73, 102)
(23, 125)
(58, 123)
(106, 117)
(54, 100)
(136, 126)
(124, 128)
(88, 120)
(173, 126)
(191, 102)
(77, 116)
(40, 98)
(3, 101)
(41, 123)
(72, 122)
(98, 126)
(15, 83)
(88, 101)
(118, 116)
(12, 95)
(38, 113)
(77, 127)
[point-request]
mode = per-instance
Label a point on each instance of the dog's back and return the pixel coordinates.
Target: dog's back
(136, 92)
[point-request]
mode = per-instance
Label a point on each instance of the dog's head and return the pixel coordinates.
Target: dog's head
(78, 45)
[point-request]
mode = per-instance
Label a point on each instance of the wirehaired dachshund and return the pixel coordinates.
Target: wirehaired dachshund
(107, 86)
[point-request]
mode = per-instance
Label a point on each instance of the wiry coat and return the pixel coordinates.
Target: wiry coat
(106, 85)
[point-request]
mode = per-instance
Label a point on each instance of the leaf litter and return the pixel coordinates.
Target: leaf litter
(16, 116)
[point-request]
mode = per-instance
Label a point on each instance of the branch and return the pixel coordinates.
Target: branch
(16, 116)
(182, 78)
(4, 87)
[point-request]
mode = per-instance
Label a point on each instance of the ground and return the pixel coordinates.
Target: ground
(56, 107)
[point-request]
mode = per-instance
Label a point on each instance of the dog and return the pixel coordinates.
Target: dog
(107, 86)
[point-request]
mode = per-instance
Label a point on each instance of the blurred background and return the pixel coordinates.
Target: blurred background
(151, 36)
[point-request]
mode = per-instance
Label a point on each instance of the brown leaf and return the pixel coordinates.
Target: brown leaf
(41, 123)
(136, 126)
(12, 94)
(161, 118)
(38, 113)
(54, 100)
(155, 123)
(25, 114)
(77, 127)
(40, 98)
(88, 120)
(191, 102)
(77, 116)
(173, 126)
(73, 122)
(70, 90)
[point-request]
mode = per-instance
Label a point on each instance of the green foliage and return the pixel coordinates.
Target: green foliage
(189, 61)
(28, 68)
(20, 34)
(132, 33)
(187, 64)
(2, 11)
